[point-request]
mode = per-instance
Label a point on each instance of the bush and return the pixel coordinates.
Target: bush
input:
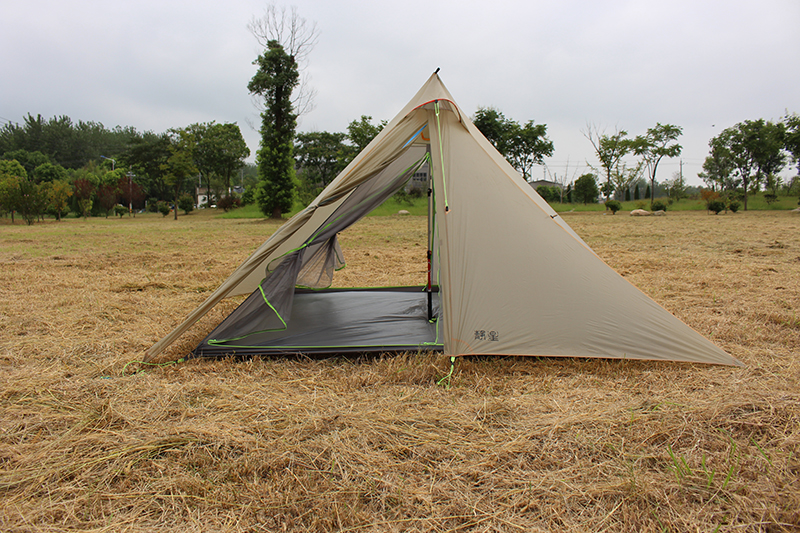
(227, 203)
(613, 206)
(186, 203)
(152, 205)
(658, 205)
(716, 206)
(163, 208)
(249, 195)
(733, 205)
(120, 210)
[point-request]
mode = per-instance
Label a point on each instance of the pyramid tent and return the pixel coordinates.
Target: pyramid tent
(490, 235)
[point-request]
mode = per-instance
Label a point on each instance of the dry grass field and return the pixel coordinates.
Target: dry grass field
(90, 443)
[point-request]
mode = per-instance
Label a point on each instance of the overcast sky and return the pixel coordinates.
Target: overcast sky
(157, 64)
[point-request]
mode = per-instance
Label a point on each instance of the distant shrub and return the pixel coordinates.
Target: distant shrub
(613, 206)
(227, 203)
(152, 205)
(658, 205)
(120, 210)
(770, 197)
(163, 208)
(248, 197)
(733, 205)
(402, 197)
(186, 203)
(716, 206)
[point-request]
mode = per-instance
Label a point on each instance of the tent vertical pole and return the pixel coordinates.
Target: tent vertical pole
(430, 235)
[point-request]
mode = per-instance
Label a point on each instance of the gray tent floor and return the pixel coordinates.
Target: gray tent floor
(371, 320)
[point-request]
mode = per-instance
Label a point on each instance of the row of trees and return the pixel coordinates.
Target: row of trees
(752, 154)
(147, 167)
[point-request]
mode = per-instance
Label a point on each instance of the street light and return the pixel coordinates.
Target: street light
(113, 161)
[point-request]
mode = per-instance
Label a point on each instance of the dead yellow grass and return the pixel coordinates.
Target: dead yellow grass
(515, 444)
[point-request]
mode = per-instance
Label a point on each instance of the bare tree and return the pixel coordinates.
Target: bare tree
(564, 179)
(610, 149)
(298, 38)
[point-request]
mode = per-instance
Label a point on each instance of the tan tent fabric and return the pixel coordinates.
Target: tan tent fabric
(513, 277)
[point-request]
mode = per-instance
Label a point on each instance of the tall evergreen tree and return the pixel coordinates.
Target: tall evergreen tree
(275, 80)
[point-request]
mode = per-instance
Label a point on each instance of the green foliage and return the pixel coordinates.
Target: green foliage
(147, 157)
(186, 203)
(549, 194)
(152, 205)
(163, 208)
(276, 78)
(219, 151)
(733, 205)
(180, 164)
(60, 192)
(60, 140)
(716, 206)
(360, 133)
(658, 142)
(120, 210)
(522, 145)
(586, 189)
(610, 149)
(792, 137)
(746, 154)
(49, 172)
(320, 157)
(613, 206)
(249, 195)
(658, 205)
(636, 195)
(29, 160)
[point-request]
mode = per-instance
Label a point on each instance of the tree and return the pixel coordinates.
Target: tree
(753, 151)
(792, 137)
(769, 155)
(360, 133)
(494, 126)
(622, 177)
(653, 146)
(718, 166)
(146, 157)
(523, 146)
(586, 189)
(298, 37)
(676, 187)
(12, 174)
(60, 192)
(609, 149)
(84, 190)
(29, 160)
(220, 150)
(64, 142)
(320, 157)
(180, 164)
(275, 80)
(49, 172)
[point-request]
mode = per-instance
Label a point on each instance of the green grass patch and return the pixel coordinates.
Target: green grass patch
(389, 207)
(419, 207)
